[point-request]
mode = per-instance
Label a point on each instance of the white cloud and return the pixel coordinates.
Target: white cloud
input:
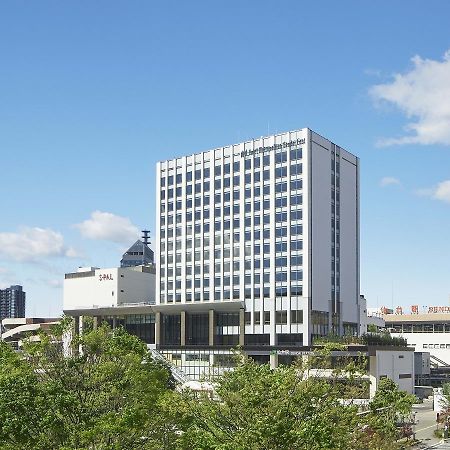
(33, 244)
(442, 191)
(57, 284)
(108, 227)
(389, 181)
(439, 192)
(422, 94)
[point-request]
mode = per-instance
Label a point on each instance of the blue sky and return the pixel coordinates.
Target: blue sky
(92, 94)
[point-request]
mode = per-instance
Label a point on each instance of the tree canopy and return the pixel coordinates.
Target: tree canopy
(108, 395)
(106, 392)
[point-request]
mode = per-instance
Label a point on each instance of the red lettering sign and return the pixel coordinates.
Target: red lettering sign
(105, 277)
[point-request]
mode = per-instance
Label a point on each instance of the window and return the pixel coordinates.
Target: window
(296, 184)
(281, 317)
(297, 316)
(280, 276)
(296, 154)
(281, 157)
(281, 217)
(296, 229)
(281, 261)
(296, 215)
(280, 172)
(296, 260)
(296, 169)
(266, 317)
(296, 199)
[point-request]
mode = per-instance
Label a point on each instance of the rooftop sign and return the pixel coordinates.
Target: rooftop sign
(258, 150)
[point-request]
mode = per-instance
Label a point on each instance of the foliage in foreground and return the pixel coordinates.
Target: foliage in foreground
(261, 408)
(113, 396)
(106, 397)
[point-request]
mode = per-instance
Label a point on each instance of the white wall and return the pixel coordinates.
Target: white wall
(392, 364)
(437, 344)
(137, 287)
(321, 224)
(349, 259)
(104, 289)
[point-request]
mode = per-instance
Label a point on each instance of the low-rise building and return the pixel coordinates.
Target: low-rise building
(426, 330)
(92, 287)
(15, 330)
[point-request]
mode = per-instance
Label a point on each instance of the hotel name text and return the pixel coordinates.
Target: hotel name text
(270, 148)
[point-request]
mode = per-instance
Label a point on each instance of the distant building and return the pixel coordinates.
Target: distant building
(426, 329)
(12, 302)
(139, 254)
(14, 330)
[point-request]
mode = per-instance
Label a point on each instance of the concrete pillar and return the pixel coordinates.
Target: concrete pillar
(157, 328)
(114, 324)
(95, 322)
(75, 334)
(76, 325)
(273, 360)
(183, 329)
(212, 326)
(80, 330)
(242, 327)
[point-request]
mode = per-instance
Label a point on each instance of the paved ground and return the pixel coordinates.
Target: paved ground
(439, 446)
(425, 426)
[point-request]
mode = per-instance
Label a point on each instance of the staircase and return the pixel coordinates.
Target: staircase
(178, 374)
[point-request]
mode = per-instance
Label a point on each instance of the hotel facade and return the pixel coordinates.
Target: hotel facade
(257, 244)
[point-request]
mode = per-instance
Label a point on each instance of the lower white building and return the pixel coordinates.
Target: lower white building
(91, 287)
(425, 331)
(398, 365)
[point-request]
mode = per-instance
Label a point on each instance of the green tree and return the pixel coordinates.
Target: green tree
(109, 395)
(264, 408)
(389, 406)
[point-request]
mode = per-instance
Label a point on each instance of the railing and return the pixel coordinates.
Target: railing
(434, 359)
(177, 373)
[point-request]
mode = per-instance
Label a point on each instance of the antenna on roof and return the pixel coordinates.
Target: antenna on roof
(146, 236)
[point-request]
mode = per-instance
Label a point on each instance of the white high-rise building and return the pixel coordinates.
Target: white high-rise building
(258, 243)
